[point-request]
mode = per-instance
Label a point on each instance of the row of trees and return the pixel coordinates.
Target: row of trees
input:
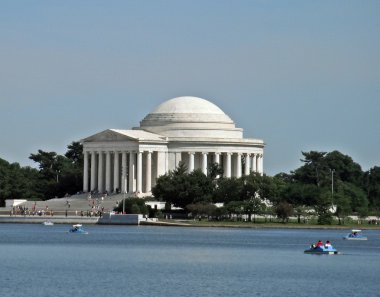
(324, 180)
(56, 176)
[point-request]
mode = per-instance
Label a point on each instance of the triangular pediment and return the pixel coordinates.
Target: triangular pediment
(123, 135)
(107, 135)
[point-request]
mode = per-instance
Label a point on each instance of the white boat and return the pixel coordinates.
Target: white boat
(48, 223)
(77, 228)
(355, 235)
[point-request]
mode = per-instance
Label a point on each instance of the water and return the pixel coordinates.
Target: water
(39, 260)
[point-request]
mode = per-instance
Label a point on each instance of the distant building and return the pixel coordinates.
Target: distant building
(188, 129)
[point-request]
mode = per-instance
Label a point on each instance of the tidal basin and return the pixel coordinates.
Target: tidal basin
(39, 260)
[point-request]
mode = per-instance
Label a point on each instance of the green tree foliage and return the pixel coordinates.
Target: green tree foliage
(314, 169)
(320, 173)
(297, 193)
(284, 210)
(228, 189)
(235, 207)
(181, 188)
(323, 208)
(18, 182)
(133, 206)
(203, 209)
(372, 186)
(343, 206)
(357, 196)
(345, 168)
(60, 175)
(254, 206)
(318, 166)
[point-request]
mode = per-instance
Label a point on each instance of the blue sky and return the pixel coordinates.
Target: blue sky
(302, 75)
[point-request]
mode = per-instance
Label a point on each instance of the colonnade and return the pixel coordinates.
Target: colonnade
(115, 171)
(137, 171)
(231, 162)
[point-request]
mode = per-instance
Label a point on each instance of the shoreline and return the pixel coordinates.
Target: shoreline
(178, 223)
(181, 223)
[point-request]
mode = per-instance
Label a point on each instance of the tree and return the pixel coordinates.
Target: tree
(60, 175)
(181, 188)
(372, 186)
(228, 189)
(202, 209)
(133, 206)
(235, 207)
(284, 210)
(75, 153)
(253, 206)
(299, 194)
(312, 171)
(18, 182)
(345, 168)
(323, 208)
(343, 206)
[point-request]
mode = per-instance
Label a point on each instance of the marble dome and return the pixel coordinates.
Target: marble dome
(190, 117)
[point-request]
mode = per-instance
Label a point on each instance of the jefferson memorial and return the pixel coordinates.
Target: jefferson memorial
(184, 129)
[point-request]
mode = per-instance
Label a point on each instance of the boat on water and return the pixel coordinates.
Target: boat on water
(321, 249)
(48, 223)
(355, 235)
(77, 228)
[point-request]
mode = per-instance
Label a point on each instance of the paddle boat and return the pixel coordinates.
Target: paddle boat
(355, 235)
(321, 249)
(77, 228)
(48, 223)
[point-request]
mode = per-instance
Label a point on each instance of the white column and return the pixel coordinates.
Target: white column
(93, 171)
(100, 173)
(85, 172)
(238, 165)
(247, 164)
(217, 158)
(116, 171)
(253, 167)
(217, 161)
(148, 173)
(261, 164)
(124, 172)
(191, 162)
(108, 171)
(228, 165)
(204, 163)
(161, 163)
(139, 172)
(258, 163)
(132, 165)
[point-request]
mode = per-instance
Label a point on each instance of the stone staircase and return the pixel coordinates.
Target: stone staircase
(76, 203)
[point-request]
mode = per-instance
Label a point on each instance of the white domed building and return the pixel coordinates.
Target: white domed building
(188, 129)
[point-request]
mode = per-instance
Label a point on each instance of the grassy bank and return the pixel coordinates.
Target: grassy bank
(242, 224)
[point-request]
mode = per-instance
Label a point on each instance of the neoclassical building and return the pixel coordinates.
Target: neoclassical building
(188, 129)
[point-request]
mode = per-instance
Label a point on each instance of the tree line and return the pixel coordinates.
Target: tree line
(327, 183)
(56, 176)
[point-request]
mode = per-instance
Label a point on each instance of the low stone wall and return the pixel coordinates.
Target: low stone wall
(55, 219)
(120, 219)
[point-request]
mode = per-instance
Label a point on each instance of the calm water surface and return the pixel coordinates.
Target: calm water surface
(39, 260)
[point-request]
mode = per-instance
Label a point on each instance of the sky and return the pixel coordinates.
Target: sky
(301, 75)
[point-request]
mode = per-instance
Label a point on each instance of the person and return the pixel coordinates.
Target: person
(328, 243)
(319, 243)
